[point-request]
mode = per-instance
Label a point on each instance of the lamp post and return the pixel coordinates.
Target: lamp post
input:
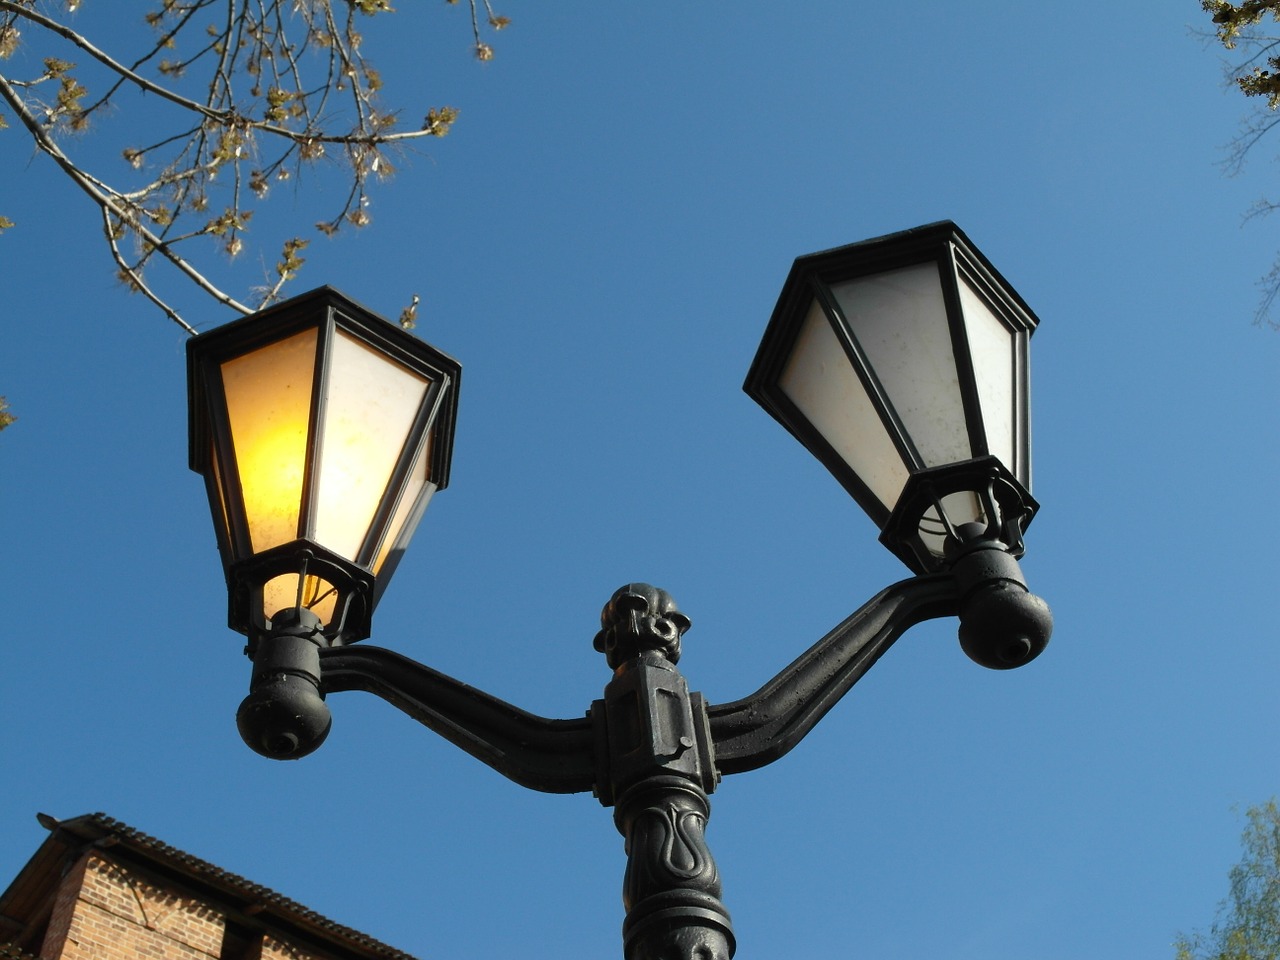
(322, 430)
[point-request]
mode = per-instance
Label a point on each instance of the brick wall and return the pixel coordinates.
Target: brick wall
(102, 912)
(100, 890)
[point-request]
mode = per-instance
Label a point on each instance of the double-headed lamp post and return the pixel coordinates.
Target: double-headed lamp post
(322, 430)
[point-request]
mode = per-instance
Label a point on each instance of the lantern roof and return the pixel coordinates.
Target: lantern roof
(916, 245)
(272, 323)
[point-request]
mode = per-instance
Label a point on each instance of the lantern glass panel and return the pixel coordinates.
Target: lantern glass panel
(899, 318)
(369, 412)
(268, 396)
(417, 485)
(991, 346)
(820, 380)
(958, 508)
(281, 593)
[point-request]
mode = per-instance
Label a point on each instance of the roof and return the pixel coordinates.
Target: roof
(31, 892)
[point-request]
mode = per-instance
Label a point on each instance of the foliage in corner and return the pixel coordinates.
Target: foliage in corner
(1249, 29)
(256, 91)
(1248, 924)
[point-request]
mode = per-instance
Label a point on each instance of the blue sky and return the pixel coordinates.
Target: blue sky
(600, 242)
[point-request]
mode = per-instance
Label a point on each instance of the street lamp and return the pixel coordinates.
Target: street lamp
(321, 431)
(901, 363)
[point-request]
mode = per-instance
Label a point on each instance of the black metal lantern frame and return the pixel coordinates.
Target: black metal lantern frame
(356, 581)
(916, 524)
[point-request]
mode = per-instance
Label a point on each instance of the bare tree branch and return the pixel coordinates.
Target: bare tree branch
(125, 73)
(254, 113)
(110, 207)
(1257, 75)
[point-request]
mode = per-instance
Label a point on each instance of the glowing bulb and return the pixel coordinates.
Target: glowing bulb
(269, 407)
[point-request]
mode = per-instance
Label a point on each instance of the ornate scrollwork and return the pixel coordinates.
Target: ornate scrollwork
(666, 842)
(672, 885)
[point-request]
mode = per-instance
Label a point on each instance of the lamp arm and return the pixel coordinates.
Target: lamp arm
(554, 756)
(758, 729)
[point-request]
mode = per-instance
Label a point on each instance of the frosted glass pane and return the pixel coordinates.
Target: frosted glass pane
(820, 381)
(900, 322)
(991, 344)
(281, 593)
(417, 484)
(371, 404)
(269, 404)
(960, 508)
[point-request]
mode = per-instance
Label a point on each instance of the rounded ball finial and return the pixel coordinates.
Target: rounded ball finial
(1002, 626)
(284, 719)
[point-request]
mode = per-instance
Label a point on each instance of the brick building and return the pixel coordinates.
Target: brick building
(97, 889)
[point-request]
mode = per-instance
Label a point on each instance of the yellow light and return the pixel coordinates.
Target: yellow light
(321, 430)
(281, 593)
(369, 408)
(269, 407)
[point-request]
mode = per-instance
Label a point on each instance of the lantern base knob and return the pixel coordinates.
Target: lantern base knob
(1002, 624)
(284, 720)
(285, 716)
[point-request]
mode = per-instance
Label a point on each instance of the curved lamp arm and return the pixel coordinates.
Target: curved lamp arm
(554, 756)
(1002, 625)
(285, 715)
(758, 729)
